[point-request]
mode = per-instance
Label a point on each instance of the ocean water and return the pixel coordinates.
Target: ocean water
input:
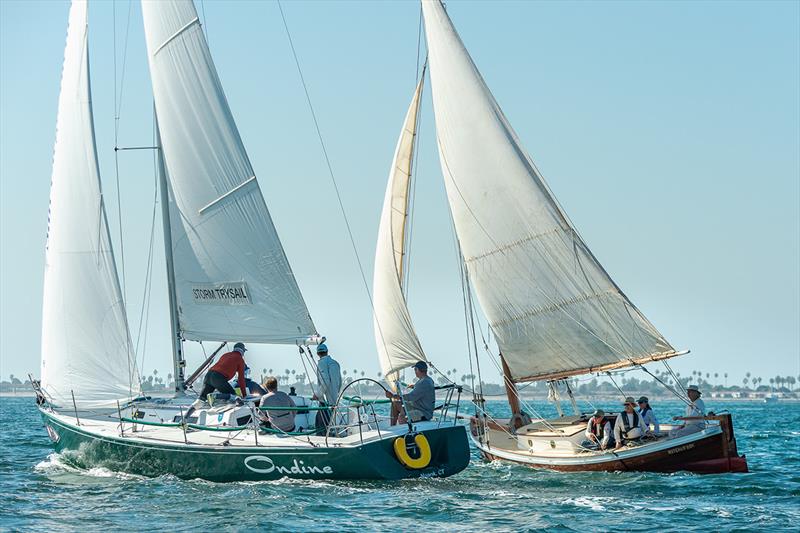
(39, 492)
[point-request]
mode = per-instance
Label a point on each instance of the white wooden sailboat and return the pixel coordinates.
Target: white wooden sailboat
(552, 308)
(229, 279)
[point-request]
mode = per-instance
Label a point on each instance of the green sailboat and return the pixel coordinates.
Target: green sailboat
(228, 279)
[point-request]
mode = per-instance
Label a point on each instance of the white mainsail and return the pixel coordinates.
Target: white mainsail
(232, 277)
(86, 348)
(553, 309)
(395, 337)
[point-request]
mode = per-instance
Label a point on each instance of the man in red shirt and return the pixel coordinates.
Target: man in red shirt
(229, 365)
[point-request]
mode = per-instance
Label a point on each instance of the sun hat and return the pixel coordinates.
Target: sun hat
(629, 400)
(599, 412)
(694, 388)
(421, 365)
(643, 399)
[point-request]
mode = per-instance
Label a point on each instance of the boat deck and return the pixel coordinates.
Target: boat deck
(108, 425)
(563, 438)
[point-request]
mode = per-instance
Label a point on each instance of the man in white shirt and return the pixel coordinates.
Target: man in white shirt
(329, 377)
(629, 425)
(648, 416)
(329, 383)
(598, 431)
(694, 417)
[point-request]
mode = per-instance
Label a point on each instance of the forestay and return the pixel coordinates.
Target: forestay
(85, 341)
(232, 277)
(552, 307)
(396, 340)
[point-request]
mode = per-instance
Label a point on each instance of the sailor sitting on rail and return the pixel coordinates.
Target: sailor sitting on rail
(694, 418)
(274, 399)
(419, 402)
(629, 425)
(598, 431)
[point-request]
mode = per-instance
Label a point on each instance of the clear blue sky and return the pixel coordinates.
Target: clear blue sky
(669, 131)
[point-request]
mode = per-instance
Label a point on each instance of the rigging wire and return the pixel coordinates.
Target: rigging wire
(203, 9)
(116, 157)
(330, 171)
(419, 42)
(414, 177)
(666, 386)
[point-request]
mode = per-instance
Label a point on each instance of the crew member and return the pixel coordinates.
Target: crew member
(229, 365)
(648, 416)
(629, 425)
(253, 388)
(329, 383)
(419, 402)
(275, 417)
(598, 431)
(694, 417)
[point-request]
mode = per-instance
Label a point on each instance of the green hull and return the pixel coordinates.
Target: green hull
(373, 460)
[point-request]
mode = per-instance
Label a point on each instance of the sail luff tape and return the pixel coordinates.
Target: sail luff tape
(177, 33)
(230, 192)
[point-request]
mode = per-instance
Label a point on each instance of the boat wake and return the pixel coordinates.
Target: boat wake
(57, 464)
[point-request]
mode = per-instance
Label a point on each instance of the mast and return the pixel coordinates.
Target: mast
(177, 347)
(511, 388)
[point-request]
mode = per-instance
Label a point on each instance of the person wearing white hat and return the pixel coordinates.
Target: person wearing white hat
(629, 425)
(694, 417)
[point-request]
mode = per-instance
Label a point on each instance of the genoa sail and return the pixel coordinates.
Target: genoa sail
(86, 349)
(552, 307)
(232, 277)
(395, 337)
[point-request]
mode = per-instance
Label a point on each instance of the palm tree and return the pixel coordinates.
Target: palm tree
(745, 380)
(726, 379)
(716, 378)
(771, 383)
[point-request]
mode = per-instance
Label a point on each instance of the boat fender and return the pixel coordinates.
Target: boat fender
(413, 442)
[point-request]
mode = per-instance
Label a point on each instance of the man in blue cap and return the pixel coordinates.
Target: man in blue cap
(329, 383)
(420, 401)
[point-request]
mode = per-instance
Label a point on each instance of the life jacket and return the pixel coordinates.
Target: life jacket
(597, 429)
(627, 423)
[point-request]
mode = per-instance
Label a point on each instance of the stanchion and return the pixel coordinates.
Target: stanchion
(183, 427)
(121, 426)
(75, 406)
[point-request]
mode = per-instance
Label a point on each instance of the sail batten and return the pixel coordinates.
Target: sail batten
(86, 349)
(395, 336)
(551, 305)
(231, 275)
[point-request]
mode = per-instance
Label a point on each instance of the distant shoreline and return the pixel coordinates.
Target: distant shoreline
(564, 402)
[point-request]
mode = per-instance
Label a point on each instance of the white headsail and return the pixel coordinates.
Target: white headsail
(552, 307)
(85, 342)
(397, 342)
(232, 277)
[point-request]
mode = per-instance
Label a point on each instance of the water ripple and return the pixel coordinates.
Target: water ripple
(43, 491)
